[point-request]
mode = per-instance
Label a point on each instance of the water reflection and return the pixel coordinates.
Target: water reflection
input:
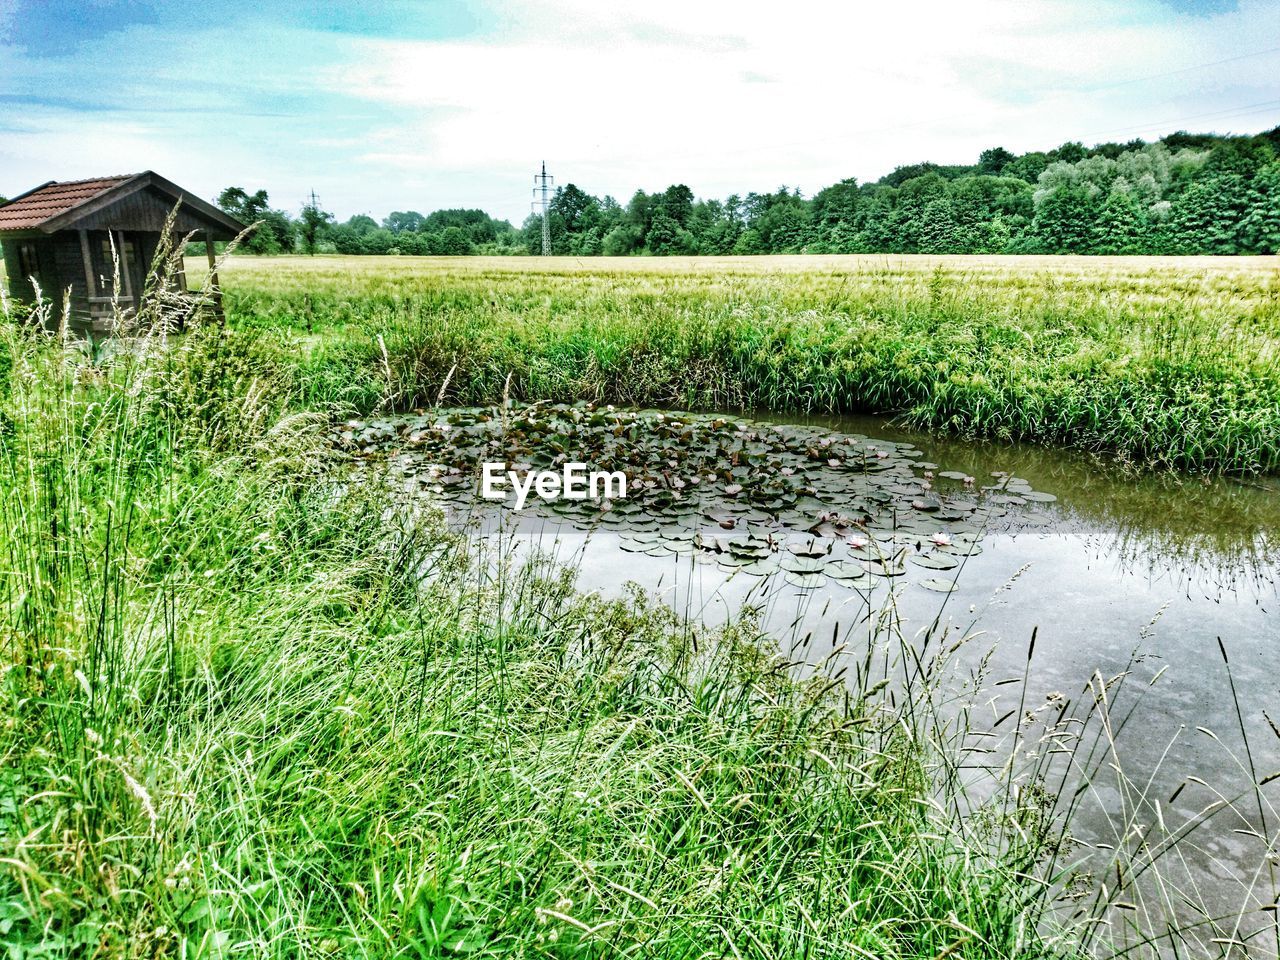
(1216, 533)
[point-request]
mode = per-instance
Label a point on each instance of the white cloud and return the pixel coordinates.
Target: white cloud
(724, 96)
(617, 97)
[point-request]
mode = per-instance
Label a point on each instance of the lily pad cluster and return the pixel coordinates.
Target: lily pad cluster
(810, 504)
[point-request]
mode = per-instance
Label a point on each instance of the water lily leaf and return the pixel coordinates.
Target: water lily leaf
(888, 567)
(935, 561)
(960, 549)
(805, 581)
(1006, 498)
(809, 548)
(712, 543)
(938, 585)
(1035, 496)
(846, 570)
(798, 564)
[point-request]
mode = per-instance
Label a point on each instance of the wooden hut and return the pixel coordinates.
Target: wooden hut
(61, 235)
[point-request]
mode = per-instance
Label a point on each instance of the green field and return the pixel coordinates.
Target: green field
(1171, 362)
(250, 711)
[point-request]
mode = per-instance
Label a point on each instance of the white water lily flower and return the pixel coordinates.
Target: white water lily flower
(940, 540)
(857, 542)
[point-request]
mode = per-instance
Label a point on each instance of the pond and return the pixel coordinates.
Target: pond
(830, 527)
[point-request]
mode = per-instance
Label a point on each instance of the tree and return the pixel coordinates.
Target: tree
(714, 226)
(834, 215)
(665, 236)
(622, 240)
(402, 221)
(909, 216)
(993, 161)
(315, 221)
(784, 227)
(242, 205)
(1122, 227)
(454, 242)
(479, 227)
(677, 201)
(1261, 225)
(878, 232)
(578, 211)
(1027, 167)
(274, 231)
(901, 175)
(938, 230)
(378, 242)
(1064, 219)
(1209, 217)
(1070, 152)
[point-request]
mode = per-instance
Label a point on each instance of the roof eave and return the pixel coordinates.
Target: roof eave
(135, 183)
(233, 226)
(59, 221)
(27, 193)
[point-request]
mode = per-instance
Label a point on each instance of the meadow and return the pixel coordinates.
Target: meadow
(251, 711)
(1161, 362)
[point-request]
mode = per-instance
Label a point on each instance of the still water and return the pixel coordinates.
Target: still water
(1171, 580)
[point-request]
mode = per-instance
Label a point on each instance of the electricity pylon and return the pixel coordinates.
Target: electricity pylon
(542, 184)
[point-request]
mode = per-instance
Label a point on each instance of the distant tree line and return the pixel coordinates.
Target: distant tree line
(1184, 194)
(442, 233)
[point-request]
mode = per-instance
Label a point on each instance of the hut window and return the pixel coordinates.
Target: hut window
(129, 253)
(28, 262)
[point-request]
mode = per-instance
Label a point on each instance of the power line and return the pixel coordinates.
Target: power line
(1174, 73)
(1231, 113)
(542, 182)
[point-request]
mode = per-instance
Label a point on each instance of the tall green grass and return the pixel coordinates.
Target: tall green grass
(1161, 366)
(249, 711)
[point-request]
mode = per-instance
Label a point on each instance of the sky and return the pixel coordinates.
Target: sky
(404, 105)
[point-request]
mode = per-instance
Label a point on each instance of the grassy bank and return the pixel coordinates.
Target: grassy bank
(1164, 362)
(248, 711)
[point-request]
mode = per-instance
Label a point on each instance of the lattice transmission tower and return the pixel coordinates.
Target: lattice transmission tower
(542, 184)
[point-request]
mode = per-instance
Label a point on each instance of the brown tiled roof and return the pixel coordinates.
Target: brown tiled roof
(33, 208)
